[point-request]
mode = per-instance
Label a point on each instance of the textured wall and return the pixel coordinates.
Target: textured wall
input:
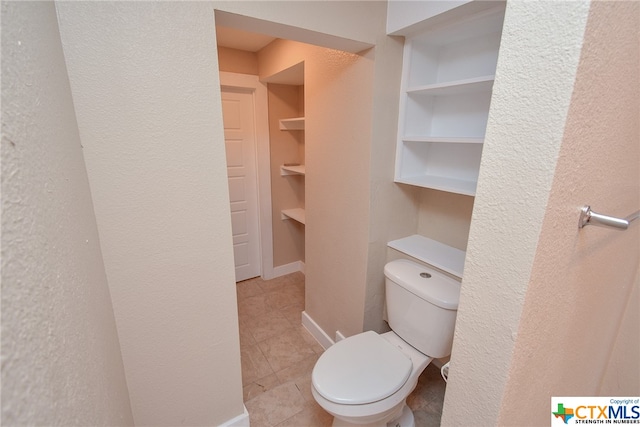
(582, 281)
(536, 70)
(393, 208)
(61, 362)
(145, 85)
(144, 82)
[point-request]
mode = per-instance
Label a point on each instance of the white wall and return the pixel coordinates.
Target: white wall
(537, 293)
(61, 362)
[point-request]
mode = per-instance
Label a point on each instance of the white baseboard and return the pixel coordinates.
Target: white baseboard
(339, 336)
(241, 420)
(282, 270)
(316, 331)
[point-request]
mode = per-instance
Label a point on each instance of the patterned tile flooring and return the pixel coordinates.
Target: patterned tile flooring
(278, 355)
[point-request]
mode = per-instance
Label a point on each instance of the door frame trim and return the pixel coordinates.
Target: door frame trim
(263, 161)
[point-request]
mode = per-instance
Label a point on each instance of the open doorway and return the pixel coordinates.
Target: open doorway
(267, 174)
(264, 141)
(306, 86)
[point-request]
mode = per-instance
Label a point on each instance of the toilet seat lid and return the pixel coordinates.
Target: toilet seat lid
(364, 368)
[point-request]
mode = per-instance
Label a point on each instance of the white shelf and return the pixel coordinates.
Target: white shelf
(444, 139)
(442, 183)
(448, 75)
(458, 50)
(292, 170)
(431, 252)
(296, 214)
(451, 167)
(463, 114)
(296, 123)
(472, 85)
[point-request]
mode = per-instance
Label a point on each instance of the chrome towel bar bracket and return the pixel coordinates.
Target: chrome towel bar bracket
(589, 217)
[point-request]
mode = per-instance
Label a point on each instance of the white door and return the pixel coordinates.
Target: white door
(240, 143)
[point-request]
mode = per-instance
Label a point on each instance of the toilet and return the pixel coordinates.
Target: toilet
(365, 379)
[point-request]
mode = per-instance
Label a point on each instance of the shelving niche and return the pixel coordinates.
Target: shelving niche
(296, 123)
(292, 124)
(287, 158)
(296, 214)
(292, 170)
(448, 74)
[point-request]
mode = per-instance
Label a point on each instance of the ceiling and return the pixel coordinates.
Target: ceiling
(242, 40)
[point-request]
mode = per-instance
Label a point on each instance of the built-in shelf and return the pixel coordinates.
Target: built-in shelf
(442, 183)
(292, 170)
(296, 123)
(296, 214)
(447, 82)
(432, 252)
(444, 139)
(471, 85)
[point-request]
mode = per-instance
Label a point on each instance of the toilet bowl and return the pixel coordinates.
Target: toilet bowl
(375, 393)
(364, 380)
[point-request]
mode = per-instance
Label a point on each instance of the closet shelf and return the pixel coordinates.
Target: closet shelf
(292, 170)
(296, 214)
(432, 252)
(472, 85)
(296, 123)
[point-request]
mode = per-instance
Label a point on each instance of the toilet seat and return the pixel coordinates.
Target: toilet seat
(361, 369)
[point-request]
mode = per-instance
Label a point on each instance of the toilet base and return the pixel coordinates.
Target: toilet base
(404, 419)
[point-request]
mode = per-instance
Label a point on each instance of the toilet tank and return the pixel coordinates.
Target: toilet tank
(421, 306)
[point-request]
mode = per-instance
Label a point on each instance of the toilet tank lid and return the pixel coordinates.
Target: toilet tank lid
(433, 286)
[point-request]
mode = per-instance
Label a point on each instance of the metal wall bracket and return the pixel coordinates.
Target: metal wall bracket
(589, 217)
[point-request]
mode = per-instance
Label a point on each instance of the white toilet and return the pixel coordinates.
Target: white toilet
(365, 379)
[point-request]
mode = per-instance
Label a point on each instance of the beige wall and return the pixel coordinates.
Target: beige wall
(583, 298)
(393, 208)
(445, 217)
(309, 21)
(146, 92)
(237, 61)
(144, 78)
(545, 307)
(337, 134)
(387, 211)
(61, 361)
(147, 101)
(287, 192)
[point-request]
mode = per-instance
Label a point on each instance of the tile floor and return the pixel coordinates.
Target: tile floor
(278, 355)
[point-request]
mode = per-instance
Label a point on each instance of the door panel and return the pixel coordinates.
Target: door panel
(239, 135)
